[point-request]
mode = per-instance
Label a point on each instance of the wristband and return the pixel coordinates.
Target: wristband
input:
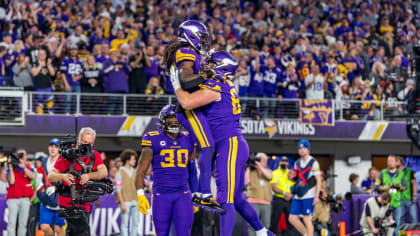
(140, 192)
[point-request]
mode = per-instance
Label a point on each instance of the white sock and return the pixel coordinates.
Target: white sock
(262, 232)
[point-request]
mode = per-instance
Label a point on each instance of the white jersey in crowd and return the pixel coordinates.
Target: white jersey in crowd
(316, 91)
(313, 172)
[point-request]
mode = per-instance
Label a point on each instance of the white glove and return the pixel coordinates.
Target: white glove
(174, 78)
(50, 190)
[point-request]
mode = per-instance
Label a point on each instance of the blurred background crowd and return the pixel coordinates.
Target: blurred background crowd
(344, 50)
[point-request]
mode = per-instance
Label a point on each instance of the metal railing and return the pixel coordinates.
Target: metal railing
(136, 104)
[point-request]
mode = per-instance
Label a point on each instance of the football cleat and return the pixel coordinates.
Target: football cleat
(208, 204)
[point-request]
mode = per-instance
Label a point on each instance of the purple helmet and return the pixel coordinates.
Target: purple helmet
(226, 64)
(172, 127)
(196, 34)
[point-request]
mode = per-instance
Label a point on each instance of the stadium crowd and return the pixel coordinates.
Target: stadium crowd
(346, 50)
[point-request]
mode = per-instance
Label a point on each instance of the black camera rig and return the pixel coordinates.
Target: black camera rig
(80, 194)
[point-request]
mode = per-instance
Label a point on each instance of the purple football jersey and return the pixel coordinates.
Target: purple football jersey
(170, 160)
(223, 116)
(72, 67)
(188, 54)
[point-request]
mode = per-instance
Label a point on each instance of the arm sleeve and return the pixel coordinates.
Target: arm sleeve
(367, 210)
(146, 141)
(192, 170)
(118, 182)
(192, 83)
(357, 190)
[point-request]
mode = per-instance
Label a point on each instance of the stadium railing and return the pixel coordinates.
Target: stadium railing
(140, 104)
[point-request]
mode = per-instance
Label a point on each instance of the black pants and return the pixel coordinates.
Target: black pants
(278, 206)
(33, 219)
(78, 226)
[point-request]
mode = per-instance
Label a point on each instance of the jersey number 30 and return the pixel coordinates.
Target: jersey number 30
(169, 155)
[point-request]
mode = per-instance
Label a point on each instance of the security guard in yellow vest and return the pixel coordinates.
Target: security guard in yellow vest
(392, 180)
(281, 183)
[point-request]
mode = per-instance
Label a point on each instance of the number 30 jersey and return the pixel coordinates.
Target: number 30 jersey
(170, 160)
(223, 116)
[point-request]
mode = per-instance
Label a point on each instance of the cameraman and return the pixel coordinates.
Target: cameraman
(258, 177)
(392, 180)
(409, 195)
(376, 208)
(79, 225)
(19, 192)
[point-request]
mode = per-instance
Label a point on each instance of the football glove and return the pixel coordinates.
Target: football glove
(174, 78)
(144, 205)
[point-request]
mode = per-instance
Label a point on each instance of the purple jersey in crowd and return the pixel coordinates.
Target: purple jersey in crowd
(272, 77)
(170, 160)
(153, 69)
(71, 67)
(223, 116)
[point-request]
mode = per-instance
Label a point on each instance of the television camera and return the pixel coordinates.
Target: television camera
(80, 194)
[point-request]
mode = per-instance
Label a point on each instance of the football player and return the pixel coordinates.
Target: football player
(171, 153)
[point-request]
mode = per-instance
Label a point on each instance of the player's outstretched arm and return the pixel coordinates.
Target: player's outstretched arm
(146, 157)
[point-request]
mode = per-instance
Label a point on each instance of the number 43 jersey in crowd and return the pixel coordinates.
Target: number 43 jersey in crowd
(170, 160)
(223, 116)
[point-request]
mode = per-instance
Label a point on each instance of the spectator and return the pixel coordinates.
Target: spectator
(272, 86)
(115, 75)
(138, 80)
(291, 85)
(242, 79)
(18, 194)
(3, 52)
(387, 181)
(126, 192)
(48, 215)
(259, 190)
(370, 181)
(330, 73)
(343, 99)
(112, 173)
(403, 94)
(409, 195)
(3, 180)
(91, 82)
(72, 72)
(22, 73)
(315, 84)
(354, 189)
(152, 69)
(391, 101)
(32, 52)
(154, 90)
(77, 37)
(281, 184)
(43, 72)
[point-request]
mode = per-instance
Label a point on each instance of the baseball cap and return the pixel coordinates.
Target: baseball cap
(284, 158)
(304, 143)
(55, 141)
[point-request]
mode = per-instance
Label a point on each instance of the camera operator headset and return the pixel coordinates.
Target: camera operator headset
(376, 209)
(79, 225)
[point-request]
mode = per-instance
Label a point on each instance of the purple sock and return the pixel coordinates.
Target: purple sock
(227, 220)
(205, 164)
(248, 212)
